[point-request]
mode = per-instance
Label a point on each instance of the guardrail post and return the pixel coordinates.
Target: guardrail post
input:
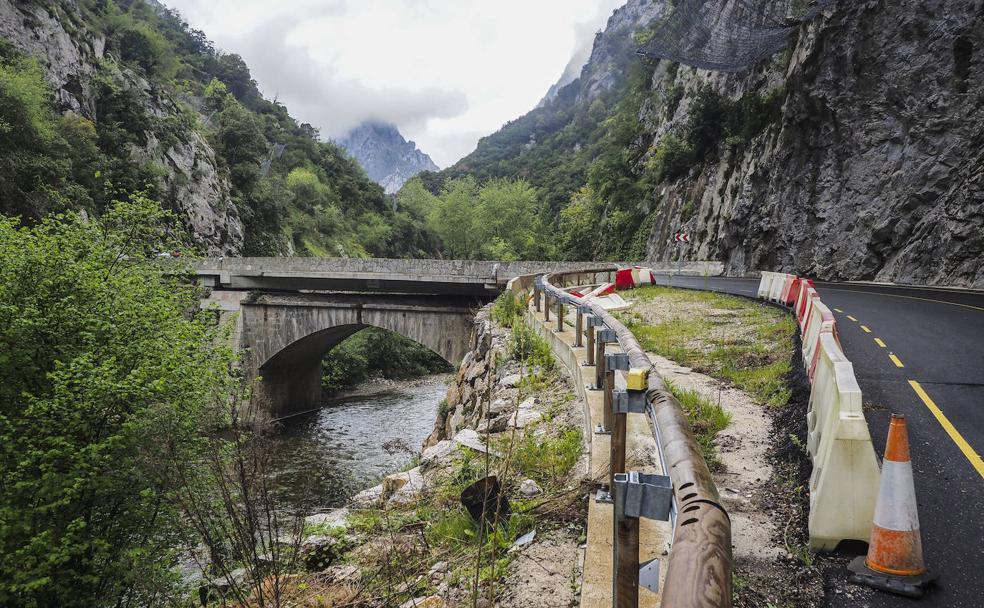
(560, 315)
(636, 495)
(546, 307)
(599, 359)
(590, 347)
(615, 423)
(537, 292)
(578, 327)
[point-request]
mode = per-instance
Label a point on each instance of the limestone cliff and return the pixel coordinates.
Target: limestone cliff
(873, 167)
(72, 55)
(855, 152)
(388, 158)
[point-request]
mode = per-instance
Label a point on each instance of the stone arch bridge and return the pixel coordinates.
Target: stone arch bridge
(292, 311)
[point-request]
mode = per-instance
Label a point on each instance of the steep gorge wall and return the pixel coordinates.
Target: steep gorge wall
(874, 168)
(71, 55)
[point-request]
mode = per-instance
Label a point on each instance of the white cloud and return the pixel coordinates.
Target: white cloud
(446, 72)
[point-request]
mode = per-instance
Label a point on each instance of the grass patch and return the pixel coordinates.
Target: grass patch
(730, 338)
(706, 419)
(547, 460)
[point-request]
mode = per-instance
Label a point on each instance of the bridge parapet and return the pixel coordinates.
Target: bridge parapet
(472, 277)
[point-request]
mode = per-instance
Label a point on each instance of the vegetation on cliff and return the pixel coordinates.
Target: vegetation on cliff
(159, 85)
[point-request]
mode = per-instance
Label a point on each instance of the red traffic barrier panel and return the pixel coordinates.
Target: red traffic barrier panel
(624, 279)
(787, 289)
(801, 288)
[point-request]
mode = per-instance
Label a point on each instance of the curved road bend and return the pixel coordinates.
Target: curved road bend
(920, 352)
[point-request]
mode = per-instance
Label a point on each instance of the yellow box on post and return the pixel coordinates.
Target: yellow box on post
(637, 379)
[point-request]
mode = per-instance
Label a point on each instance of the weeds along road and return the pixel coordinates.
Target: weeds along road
(919, 352)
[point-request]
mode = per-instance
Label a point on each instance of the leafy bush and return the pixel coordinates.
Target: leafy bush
(529, 348)
(107, 379)
(506, 308)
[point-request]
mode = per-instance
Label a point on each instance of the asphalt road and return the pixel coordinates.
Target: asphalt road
(937, 339)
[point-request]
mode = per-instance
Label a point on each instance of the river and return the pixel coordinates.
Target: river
(321, 458)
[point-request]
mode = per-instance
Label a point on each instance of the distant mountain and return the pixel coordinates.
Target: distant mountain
(388, 158)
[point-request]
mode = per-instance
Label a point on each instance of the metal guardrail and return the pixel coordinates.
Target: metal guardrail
(700, 561)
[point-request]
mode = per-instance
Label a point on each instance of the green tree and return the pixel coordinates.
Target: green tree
(107, 378)
(453, 218)
(507, 220)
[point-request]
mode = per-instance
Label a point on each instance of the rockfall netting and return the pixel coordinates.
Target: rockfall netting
(728, 35)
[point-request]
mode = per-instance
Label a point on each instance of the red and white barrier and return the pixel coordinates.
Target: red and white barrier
(845, 476)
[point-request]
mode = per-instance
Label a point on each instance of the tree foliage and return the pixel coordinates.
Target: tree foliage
(107, 379)
(497, 220)
(373, 352)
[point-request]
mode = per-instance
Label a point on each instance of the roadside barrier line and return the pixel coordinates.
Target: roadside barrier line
(968, 452)
(880, 343)
(865, 329)
(896, 361)
(839, 310)
(852, 318)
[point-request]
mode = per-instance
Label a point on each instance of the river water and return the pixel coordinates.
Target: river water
(323, 457)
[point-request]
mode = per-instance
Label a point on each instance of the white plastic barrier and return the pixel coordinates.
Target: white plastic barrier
(778, 286)
(844, 483)
(821, 321)
(765, 284)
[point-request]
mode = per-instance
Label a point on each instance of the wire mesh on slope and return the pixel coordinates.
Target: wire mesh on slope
(728, 35)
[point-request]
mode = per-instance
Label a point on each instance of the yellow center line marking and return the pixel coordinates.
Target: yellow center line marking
(955, 435)
(852, 318)
(879, 342)
(865, 328)
(838, 310)
(896, 361)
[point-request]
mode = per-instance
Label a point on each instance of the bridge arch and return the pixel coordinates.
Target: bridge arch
(288, 335)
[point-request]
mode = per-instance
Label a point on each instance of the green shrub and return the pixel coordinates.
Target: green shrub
(506, 308)
(529, 348)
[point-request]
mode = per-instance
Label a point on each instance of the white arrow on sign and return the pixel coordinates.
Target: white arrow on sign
(681, 237)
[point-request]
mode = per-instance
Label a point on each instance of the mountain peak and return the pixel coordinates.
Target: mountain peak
(388, 158)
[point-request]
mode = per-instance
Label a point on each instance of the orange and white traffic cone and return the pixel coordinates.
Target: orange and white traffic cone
(895, 560)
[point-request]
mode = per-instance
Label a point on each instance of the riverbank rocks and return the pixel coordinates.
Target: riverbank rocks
(431, 601)
(529, 488)
(511, 381)
(333, 519)
(437, 452)
(320, 551)
(467, 403)
(471, 439)
(525, 415)
(403, 488)
(368, 496)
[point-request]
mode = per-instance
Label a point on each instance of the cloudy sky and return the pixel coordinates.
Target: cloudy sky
(446, 72)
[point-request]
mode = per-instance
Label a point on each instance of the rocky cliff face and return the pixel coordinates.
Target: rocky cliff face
(874, 166)
(387, 157)
(71, 55)
(855, 153)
